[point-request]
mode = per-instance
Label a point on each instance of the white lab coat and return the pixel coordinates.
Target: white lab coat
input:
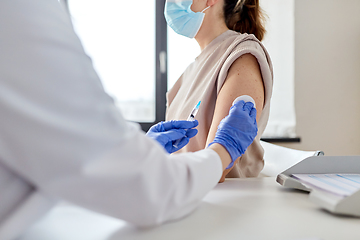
(61, 137)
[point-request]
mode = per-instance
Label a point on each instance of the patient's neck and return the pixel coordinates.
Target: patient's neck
(210, 29)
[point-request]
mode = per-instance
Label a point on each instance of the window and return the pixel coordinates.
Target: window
(280, 43)
(121, 37)
(181, 52)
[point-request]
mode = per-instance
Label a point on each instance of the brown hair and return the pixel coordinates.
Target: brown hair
(245, 16)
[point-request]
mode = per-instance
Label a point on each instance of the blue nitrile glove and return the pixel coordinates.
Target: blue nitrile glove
(166, 133)
(237, 130)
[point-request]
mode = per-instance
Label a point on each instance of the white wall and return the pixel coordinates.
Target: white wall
(327, 76)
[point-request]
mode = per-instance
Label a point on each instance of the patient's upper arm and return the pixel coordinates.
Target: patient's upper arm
(244, 78)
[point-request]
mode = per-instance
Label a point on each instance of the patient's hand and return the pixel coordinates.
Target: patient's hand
(226, 171)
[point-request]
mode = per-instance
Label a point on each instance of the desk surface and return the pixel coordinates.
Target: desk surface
(256, 208)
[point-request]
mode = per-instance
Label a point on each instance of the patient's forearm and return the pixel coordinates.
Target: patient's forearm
(223, 154)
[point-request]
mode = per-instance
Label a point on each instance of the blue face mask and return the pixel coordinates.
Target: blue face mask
(182, 19)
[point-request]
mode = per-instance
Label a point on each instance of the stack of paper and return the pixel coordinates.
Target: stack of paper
(339, 184)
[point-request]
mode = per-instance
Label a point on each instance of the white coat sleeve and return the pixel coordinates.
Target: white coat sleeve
(60, 131)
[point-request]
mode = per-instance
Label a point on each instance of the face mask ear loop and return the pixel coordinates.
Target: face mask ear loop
(205, 9)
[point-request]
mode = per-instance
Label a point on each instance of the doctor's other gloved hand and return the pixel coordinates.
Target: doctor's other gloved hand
(166, 133)
(237, 130)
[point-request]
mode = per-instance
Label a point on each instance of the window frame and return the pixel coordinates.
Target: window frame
(161, 65)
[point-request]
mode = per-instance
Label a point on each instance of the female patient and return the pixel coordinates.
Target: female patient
(232, 63)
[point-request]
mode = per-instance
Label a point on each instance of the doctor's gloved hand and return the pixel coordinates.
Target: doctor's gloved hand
(166, 133)
(237, 130)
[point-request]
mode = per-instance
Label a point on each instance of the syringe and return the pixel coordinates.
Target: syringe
(190, 118)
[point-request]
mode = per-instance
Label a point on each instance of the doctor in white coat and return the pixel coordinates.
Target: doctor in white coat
(62, 138)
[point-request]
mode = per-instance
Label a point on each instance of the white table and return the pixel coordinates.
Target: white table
(257, 208)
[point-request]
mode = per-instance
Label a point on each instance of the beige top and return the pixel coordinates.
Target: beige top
(202, 81)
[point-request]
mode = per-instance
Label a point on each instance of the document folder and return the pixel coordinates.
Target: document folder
(344, 205)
